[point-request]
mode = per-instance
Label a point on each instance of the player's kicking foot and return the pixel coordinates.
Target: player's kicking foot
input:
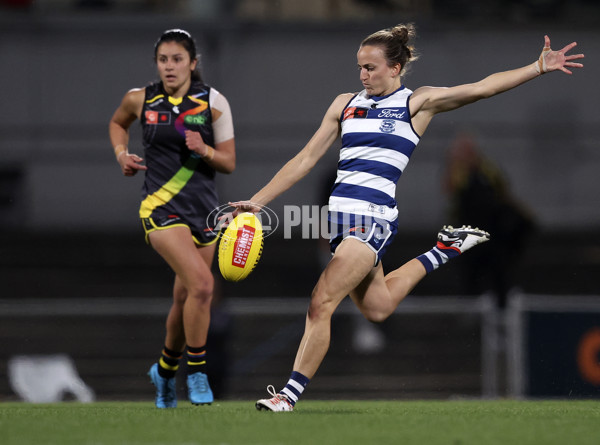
(278, 402)
(461, 239)
(199, 390)
(166, 394)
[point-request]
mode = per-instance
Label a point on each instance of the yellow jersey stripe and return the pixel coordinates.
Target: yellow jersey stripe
(169, 190)
(155, 98)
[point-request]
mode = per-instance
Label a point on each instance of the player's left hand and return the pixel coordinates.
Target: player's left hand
(559, 60)
(238, 207)
(195, 143)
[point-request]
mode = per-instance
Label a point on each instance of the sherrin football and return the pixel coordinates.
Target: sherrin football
(240, 247)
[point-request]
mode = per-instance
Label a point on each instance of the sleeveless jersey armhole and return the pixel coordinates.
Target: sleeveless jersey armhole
(410, 117)
(346, 106)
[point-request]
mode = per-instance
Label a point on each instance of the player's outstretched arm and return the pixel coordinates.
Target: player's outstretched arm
(429, 101)
(299, 166)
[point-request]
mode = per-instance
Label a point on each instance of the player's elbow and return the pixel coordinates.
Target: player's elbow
(229, 167)
(226, 165)
(226, 160)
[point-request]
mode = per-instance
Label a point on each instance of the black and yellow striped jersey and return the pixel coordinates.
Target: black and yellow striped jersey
(178, 182)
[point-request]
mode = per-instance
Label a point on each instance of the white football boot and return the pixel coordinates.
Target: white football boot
(462, 238)
(278, 402)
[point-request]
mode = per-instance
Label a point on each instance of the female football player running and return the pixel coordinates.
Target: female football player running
(379, 127)
(187, 137)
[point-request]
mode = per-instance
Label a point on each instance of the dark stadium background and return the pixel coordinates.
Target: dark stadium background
(77, 278)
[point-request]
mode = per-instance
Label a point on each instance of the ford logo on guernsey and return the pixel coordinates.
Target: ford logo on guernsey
(391, 113)
(221, 216)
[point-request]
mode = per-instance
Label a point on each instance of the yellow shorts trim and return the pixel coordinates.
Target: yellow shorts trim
(153, 227)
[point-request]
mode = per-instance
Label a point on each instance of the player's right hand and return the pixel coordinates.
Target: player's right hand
(245, 206)
(130, 164)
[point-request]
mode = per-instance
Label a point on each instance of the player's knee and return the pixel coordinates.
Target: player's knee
(179, 295)
(201, 290)
(376, 316)
(320, 307)
(318, 312)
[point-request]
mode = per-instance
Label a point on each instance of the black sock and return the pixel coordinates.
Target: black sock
(168, 363)
(196, 359)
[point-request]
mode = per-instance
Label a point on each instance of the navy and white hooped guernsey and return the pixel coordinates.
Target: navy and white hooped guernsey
(377, 142)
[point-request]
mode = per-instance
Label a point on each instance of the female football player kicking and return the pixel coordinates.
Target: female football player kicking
(380, 128)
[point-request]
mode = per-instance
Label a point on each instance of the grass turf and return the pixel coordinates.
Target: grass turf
(313, 422)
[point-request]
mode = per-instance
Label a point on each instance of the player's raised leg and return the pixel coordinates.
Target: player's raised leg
(451, 243)
(377, 296)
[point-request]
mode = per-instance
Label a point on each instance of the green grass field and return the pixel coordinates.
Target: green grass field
(313, 422)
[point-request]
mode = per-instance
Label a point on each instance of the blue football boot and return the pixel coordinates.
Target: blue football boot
(199, 390)
(166, 394)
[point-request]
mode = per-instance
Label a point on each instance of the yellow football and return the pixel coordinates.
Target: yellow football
(240, 247)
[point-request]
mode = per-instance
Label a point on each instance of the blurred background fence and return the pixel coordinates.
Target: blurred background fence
(77, 278)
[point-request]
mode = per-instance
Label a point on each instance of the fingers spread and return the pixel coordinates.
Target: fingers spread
(568, 47)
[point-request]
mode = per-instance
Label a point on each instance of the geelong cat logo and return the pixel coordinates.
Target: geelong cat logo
(387, 126)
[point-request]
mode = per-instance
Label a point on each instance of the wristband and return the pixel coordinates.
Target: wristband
(119, 150)
(210, 154)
